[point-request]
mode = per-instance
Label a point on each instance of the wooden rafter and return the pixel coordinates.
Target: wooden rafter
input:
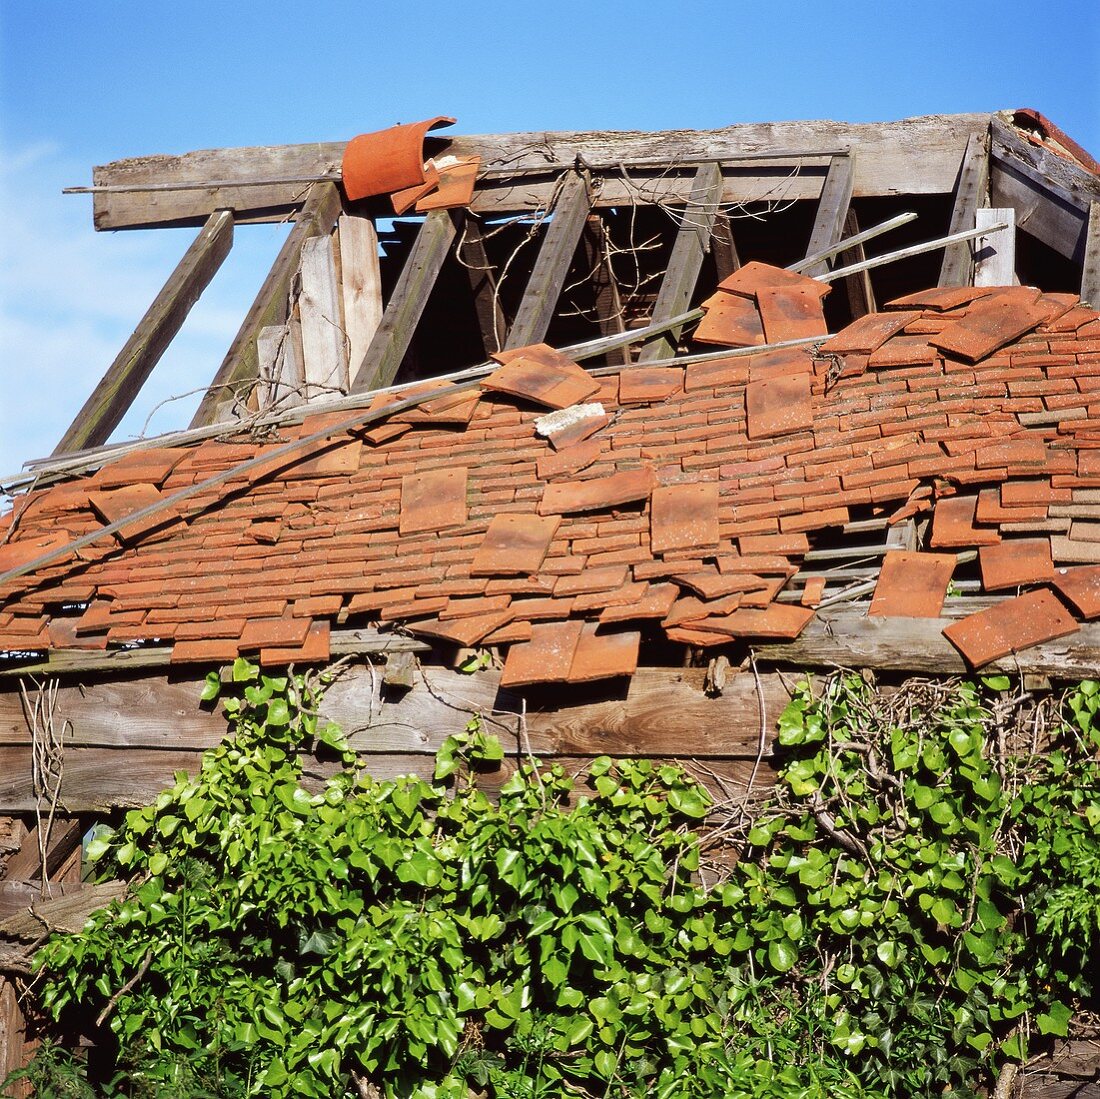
(608, 304)
(861, 294)
(115, 393)
(692, 241)
(1090, 268)
(406, 305)
(971, 193)
(559, 244)
(240, 367)
(472, 255)
(832, 210)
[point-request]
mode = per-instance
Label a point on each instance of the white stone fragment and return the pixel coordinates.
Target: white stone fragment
(549, 425)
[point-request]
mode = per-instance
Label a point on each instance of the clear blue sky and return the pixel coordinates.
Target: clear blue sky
(84, 83)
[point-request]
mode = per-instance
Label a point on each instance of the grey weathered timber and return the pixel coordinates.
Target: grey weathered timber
(324, 348)
(64, 838)
(692, 240)
(911, 156)
(280, 364)
(471, 253)
(239, 368)
(832, 210)
(846, 637)
(1090, 270)
(67, 909)
(861, 294)
(995, 254)
(559, 244)
(723, 247)
(360, 283)
(1052, 195)
(406, 305)
(659, 713)
(971, 194)
(132, 366)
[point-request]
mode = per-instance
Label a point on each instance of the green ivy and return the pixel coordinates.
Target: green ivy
(869, 933)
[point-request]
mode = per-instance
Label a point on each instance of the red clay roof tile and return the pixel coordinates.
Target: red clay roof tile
(433, 501)
(912, 585)
(314, 650)
(1081, 586)
(790, 315)
(990, 324)
(869, 332)
(755, 276)
(655, 603)
(778, 406)
(1010, 626)
(465, 631)
(684, 516)
(546, 658)
(514, 545)
(604, 655)
(731, 321)
(541, 374)
(953, 524)
(570, 497)
(1016, 562)
(780, 622)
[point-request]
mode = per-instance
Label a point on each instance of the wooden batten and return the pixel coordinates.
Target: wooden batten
(1090, 268)
(320, 312)
(832, 210)
(995, 254)
(360, 283)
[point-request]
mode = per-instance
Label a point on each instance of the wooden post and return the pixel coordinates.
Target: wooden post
(971, 192)
(692, 240)
(483, 284)
(1090, 269)
(608, 304)
(724, 247)
(132, 366)
(832, 210)
(324, 350)
(239, 368)
(383, 358)
(995, 254)
(555, 256)
(361, 283)
(861, 294)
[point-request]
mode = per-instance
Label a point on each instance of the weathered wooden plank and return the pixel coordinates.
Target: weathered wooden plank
(995, 254)
(1090, 267)
(406, 305)
(238, 370)
(361, 282)
(724, 247)
(280, 364)
(471, 253)
(324, 351)
(847, 638)
(12, 1034)
(116, 391)
(682, 273)
(971, 193)
(832, 210)
(559, 243)
(65, 838)
(64, 909)
(663, 711)
(911, 156)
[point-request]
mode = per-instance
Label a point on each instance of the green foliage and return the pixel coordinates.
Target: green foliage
(292, 936)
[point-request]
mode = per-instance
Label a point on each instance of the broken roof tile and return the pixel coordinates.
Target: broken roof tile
(1081, 587)
(730, 321)
(606, 578)
(604, 655)
(1010, 626)
(912, 585)
(778, 406)
(1015, 562)
(541, 374)
(571, 459)
(546, 658)
(467, 630)
(684, 516)
(990, 324)
(569, 497)
(455, 187)
(433, 501)
(868, 333)
(939, 298)
(953, 524)
(755, 276)
(656, 603)
(150, 466)
(514, 545)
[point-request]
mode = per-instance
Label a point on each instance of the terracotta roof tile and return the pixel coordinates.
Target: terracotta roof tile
(607, 578)
(546, 658)
(464, 631)
(779, 406)
(314, 650)
(780, 622)
(287, 631)
(869, 332)
(514, 545)
(655, 603)
(684, 516)
(541, 374)
(754, 276)
(1016, 562)
(953, 524)
(991, 323)
(1010, 626)
(433, 501)
(649, 384)
(603, 655)
(570, 497)
(1081, 586)
(790, 315)
(730, 320)
(912, 585)
(939, 298)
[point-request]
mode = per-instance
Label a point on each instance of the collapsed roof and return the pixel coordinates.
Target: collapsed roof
(715, 490)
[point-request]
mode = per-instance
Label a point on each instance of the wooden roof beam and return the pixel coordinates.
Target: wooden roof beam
(971, 195)
(116, 391)
(265, 183)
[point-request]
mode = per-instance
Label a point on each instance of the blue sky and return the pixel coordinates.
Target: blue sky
(82, 84)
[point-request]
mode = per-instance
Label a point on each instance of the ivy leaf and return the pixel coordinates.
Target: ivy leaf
(1056, 1020)
(782, 955)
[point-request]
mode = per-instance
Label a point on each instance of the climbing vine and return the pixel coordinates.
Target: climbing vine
(869, 931)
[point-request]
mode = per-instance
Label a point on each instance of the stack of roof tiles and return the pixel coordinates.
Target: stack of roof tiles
(678, 499)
